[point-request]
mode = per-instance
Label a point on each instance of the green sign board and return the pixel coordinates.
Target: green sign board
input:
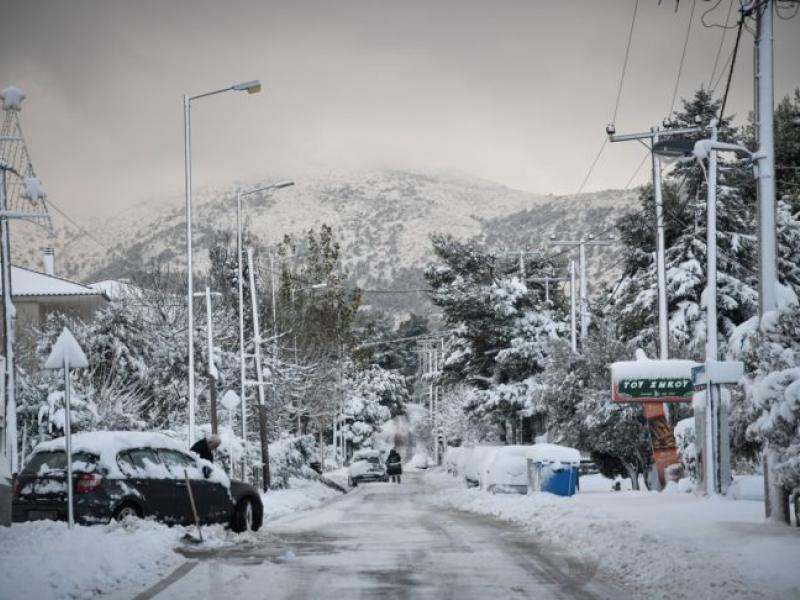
(653, 389)
(647, 380)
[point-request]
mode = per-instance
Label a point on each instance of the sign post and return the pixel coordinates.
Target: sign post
(67, 354)
(652, 383)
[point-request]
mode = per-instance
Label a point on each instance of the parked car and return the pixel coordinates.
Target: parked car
(473, 461)
(505, 470)
(366, 465)
(119, 474)
(451, 456)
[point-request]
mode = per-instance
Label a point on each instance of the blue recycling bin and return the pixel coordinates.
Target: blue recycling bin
(561, 481)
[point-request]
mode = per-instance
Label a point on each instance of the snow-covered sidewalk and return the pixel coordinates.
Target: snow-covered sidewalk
(669, 545)
(44, 559)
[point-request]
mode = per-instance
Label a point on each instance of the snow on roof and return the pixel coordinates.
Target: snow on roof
(25, 282)
(554, 453)
(111, 442)
(115, 289)
(107, 444)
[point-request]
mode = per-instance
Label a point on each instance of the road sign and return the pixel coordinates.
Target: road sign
(652, 381)
(230, 400)
(67, 354)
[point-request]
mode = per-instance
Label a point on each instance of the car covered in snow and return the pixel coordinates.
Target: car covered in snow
(366, 465)
(119, 474)
(505, 470)
(451, 459)
(473, 461)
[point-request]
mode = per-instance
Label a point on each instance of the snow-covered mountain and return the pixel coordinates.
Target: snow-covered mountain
(382, 220)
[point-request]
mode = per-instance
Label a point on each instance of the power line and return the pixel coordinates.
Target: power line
(683, 57)
(722, 38)
(594, 163)
(730, 72)
(625, 62)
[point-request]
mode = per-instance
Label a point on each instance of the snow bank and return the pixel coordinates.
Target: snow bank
(85, 561)
(302, 494)
(661, 546)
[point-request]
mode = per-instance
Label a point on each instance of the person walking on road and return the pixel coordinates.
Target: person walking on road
(394, 466)
(204, 448)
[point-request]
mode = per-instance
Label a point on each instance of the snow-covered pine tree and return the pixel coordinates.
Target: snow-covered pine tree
(502, 326)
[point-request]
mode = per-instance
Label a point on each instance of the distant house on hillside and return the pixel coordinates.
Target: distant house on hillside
(37, 295)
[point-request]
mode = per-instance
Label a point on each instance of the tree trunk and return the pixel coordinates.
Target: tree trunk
(633, 475)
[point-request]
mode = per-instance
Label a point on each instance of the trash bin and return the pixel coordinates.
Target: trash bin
(553, 468)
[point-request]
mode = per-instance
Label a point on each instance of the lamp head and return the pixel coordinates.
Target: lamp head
(251, 87)
(674, 149)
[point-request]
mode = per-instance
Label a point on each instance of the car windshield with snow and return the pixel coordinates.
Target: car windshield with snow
(131, 474)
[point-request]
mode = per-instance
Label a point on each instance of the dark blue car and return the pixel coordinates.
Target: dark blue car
(119, 474)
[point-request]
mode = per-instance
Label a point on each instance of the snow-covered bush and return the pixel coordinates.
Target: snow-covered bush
(773, 390)
(289, 458)
(685, 439)
(367, 394)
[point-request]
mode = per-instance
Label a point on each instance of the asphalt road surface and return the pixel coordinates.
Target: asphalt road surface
(384, 541)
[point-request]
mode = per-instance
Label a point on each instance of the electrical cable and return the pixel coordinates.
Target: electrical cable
(730, 72)
(594, 163)
(683, 57)
(721, 41)
(625, 62)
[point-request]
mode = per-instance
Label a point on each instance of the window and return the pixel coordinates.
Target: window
(141, 462)
(42, 462)
(178, 462)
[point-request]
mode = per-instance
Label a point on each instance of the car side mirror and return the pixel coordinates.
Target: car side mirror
(206, 471)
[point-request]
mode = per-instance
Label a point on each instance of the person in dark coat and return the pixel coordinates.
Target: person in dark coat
(204, 448)
(394, 466)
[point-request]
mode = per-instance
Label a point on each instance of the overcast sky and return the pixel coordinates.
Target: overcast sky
(513, 91)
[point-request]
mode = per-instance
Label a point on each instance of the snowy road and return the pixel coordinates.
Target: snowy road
(385, 541)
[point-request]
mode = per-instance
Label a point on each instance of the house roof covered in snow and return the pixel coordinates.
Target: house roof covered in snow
(28, 283)
(116, 289)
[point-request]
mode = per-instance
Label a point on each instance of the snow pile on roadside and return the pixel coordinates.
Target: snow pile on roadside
(665, 546)
(44, 559)
(302, 494)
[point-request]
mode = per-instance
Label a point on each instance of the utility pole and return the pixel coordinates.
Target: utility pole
(262, 405)
(546, 280)
(716, 474)
(776, 498)
(581, 244)
(213, 374)
(572, 311)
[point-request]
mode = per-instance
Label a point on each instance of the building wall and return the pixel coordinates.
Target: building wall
(32, 312)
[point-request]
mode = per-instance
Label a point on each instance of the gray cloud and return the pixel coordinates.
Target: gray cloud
(513, 91)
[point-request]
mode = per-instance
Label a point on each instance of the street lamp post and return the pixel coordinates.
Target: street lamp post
(251, 87)
(716, 444)
(239, 282)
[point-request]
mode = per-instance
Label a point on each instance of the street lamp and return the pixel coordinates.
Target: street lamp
(716, 457)
(251, 87)
(239, 195)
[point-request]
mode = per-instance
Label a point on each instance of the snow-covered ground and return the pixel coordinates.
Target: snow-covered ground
(44, 559)
(670, 545)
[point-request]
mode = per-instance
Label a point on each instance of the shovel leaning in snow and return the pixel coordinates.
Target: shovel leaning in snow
(189, 538)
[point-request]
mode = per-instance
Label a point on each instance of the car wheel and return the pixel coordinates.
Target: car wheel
(247, 516)
(127, 510)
